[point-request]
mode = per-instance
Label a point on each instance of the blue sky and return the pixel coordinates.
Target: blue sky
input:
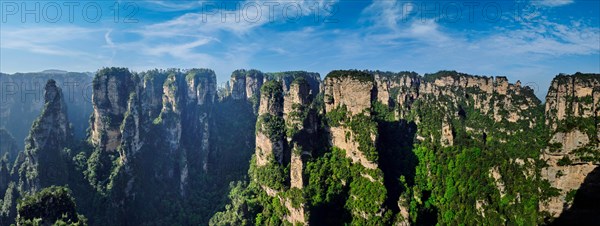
(529, 41)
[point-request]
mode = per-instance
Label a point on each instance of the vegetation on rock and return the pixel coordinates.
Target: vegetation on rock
(51, 206)
(165, 149)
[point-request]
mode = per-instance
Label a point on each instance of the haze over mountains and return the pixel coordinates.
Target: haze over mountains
(368, 147)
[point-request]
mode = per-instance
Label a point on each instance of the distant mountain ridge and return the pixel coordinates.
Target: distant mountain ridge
(22, 100)
(54, 71)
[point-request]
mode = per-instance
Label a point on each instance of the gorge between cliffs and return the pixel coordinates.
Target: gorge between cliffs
(171, 147)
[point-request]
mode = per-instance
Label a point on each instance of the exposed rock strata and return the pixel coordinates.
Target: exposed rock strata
(572, 108)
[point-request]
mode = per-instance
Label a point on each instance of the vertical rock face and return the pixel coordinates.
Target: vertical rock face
(254, 80)
(447, 108)
(301, 131)
(154, 114)
(299, 94)
(8, 145)
(245, 84)
(295, 103)
(447, 138)
(301, 127)
(498, 98)
(284, 104)
(501, 85)
(238, 87)
(455, 93)
(572, 108)
(184, 120)
(286, 131)
(171, 110)
(269, 135)
(131, 139)
(271, 100)
(288, 78)
(396, 88)
(8, 154)
(111, 89)
(572, 96)
(5, 178)
(202, 85)
(350, 100)
(296, 167)
(43, 162)
(354, 92)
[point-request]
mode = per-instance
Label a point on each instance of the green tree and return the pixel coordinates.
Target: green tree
(52, 205)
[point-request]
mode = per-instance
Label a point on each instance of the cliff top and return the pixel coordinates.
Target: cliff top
(198, 73)
(53, 93)
(240, 73)
(292, 74)
(363, 76)
(113, 71)
(157, 74)
(253, 73)
(455, 75)
(394, 74)
(578, 75)
(300, 81)
(271, 87)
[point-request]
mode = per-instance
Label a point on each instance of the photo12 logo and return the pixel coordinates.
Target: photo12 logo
(71, 12)
(466, 11)
(32, 91)
(268, 11)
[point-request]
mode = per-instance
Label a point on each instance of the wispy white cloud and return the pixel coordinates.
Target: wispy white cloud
(551, 3)
(173, 5)
(110, 44)
(241, 25)
(47, 40)
(536, 35)
(178, 50)
(544, 37)
(238, 19)
(192, 24)
(388, 23)
(279, 50)
(108, 40)
(387, 14)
